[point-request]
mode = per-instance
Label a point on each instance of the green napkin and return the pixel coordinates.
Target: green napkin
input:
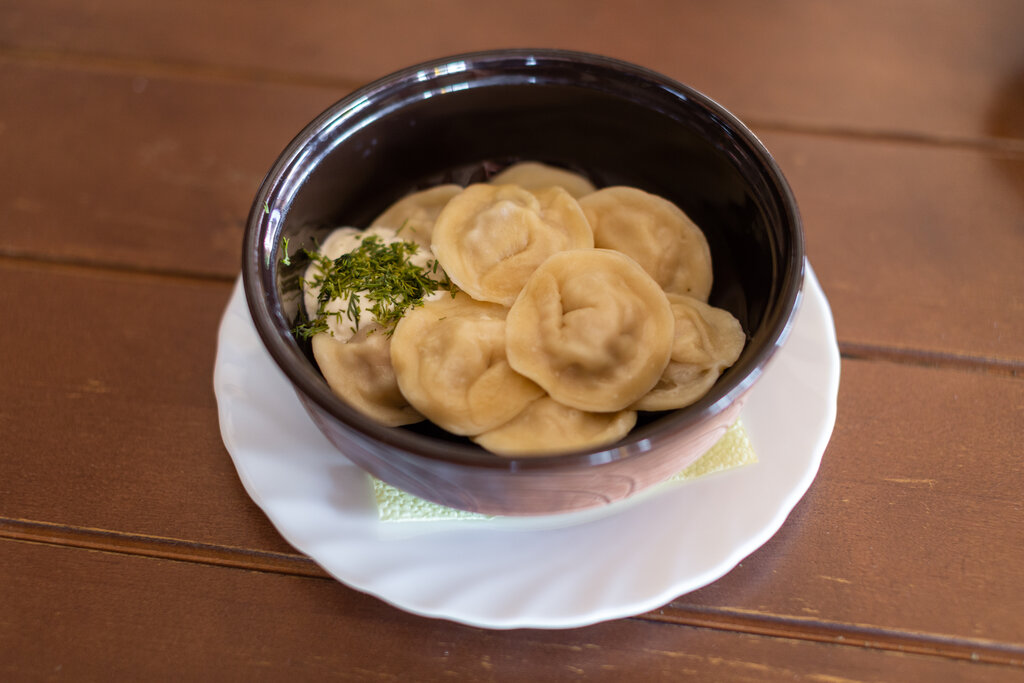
(394, 505)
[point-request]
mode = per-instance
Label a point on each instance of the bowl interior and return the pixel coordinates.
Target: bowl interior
(461, 119)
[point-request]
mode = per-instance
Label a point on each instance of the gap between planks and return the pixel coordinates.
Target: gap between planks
(13, 258)
(837, 633)
(197, 71)
(931, 359)
(158, 547)
(723, 619)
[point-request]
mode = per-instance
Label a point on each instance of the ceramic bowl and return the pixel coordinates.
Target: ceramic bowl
(460, 118)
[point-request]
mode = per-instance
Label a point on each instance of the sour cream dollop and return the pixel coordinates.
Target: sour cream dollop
(341, 325)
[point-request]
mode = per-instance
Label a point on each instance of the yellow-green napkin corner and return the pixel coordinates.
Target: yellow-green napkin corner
(394, 505)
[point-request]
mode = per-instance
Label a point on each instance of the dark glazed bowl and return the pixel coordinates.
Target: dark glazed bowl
(459, 119)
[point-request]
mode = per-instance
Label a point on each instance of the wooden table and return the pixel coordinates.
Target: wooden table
(133, 135)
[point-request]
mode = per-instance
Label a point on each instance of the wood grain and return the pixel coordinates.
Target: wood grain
(114, 376)
(132, 139)
(134, 618)
(917, 247)
(914, 517)
(168, 188)
(942, 70)
(149, 173)
(924, 507)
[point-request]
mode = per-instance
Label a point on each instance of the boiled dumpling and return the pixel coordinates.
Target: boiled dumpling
(707, 341)
(533, 175)
(656, 234)
(490, 238)
(414, 214)
(546, 427)
(449, 359)
(592, 328)
(359, 372)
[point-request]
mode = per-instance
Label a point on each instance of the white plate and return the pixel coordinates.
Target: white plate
(555, 572)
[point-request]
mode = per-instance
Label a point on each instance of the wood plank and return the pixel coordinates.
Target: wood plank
(147, 173)
(134, 618)
(134, 141)
(910, 529)
(918, 67)
(914, 520)
(108, 413)
(917, 246)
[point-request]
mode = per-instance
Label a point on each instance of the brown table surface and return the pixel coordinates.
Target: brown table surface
(133, 135)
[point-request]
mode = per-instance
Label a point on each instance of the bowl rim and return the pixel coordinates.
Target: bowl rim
(266, 218)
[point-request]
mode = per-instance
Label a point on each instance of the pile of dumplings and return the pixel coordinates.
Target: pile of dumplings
(575, 308)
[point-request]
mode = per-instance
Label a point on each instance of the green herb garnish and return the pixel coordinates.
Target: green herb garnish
(379, 272)
(286, 260)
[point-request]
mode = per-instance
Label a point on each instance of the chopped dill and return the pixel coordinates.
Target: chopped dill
(376, 272)
(286, 260)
